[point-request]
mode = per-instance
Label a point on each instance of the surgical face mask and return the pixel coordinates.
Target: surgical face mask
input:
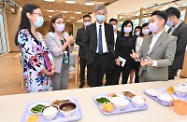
(39, 21)
(60, 27)
(153, 27)
(169, 23)
(127, 29)
(87, 23)
(145, 31)
(114, 27)
(100, 18)
(137, 33)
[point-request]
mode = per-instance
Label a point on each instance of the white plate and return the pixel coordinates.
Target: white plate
(165, 97)
(34, 104)
(183, 84)
(152, 92)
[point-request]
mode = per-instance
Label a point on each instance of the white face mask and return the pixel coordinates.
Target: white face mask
(39, 21)
(60, 27)
(127, 29)
(87, 23)
(114, 27)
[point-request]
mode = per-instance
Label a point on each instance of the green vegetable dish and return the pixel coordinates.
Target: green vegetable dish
(38, 108)
(102, 100)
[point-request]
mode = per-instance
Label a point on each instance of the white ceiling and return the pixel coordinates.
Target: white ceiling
(128, 6)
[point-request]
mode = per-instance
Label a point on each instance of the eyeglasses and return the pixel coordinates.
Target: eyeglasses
(40, 14)
(59, 22)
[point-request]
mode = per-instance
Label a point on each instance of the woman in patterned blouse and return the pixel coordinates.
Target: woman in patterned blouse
(32, 48)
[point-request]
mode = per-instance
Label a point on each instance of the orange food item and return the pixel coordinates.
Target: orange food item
(107, 107)
(170, 89)
(33, 118)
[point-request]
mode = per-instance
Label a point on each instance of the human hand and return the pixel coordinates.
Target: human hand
(117, 62)
(134, 55)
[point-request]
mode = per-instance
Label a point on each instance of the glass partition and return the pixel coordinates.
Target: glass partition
(3, 41)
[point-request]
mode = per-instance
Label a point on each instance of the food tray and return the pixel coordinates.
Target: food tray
(163, 90)
(129, 108)
(59, 118)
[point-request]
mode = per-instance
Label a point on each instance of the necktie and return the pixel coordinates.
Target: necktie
(100, 41)
(172, 30)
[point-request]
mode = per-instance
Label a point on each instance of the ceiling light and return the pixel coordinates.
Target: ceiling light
(50, 10)
(64, 12)
(72, 17)
(49, 0)
(70, 1)
(88, 3)
(78, 12)
(50, 16)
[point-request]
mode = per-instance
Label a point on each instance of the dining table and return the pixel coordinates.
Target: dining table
(12, 107)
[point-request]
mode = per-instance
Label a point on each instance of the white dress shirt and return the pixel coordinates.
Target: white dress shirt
(139, 42)
(115, 38)
(153, 41)
(104, 43)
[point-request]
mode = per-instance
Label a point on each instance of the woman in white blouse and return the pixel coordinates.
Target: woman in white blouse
(143, 33)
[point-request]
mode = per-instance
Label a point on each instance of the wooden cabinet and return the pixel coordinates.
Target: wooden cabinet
(184, 70)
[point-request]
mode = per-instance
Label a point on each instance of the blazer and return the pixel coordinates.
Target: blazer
(54, 44)
(91, 41)
(80, 40)
(163, 52)
(181, 33)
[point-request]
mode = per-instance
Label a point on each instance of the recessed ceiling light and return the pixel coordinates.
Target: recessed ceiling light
(50, 10)
(89, 3)
(64, 12)
(70, 1)
(72, 17)
(78, 12)
(49, 0)
(50, 16)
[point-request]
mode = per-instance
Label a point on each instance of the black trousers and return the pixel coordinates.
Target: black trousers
(97, 69)
(83, 65)
(109, 76)
(125, 72)
(172, 73)
(137, 67)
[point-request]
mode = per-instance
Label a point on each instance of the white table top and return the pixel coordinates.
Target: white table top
(12, 107)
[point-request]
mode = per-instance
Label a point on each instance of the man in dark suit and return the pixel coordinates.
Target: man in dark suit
(178, 29)
(110, 68)
(100, 46)
(80, 40)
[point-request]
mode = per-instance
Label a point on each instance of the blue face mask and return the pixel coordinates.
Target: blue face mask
(100, 18)
(39, 21)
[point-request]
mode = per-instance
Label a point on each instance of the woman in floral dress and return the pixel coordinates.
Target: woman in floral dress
(32, 49)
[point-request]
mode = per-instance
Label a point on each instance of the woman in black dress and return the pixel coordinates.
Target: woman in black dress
(124, 45)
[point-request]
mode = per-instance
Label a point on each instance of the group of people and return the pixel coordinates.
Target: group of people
(149, 50)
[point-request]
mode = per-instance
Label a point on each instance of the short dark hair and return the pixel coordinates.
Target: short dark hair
(87, 15)
(137, 27)
(113, 19)
(160, 14)
(172, 11)
(53, 19)
(125, 24)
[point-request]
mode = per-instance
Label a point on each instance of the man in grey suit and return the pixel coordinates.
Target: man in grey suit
(178, 29)
(157, 51)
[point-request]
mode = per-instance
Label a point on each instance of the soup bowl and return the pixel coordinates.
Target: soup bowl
(68, 109)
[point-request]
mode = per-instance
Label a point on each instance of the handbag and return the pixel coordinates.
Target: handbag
(47, 61)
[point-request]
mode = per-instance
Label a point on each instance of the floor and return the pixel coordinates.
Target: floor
(10, 76)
